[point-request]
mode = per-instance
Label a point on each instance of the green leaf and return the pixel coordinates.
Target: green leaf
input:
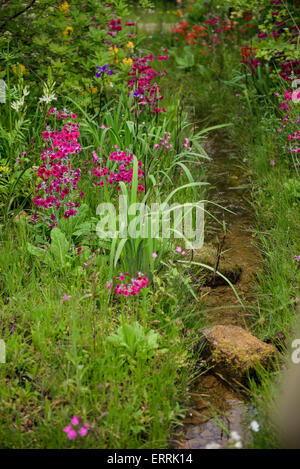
(59, 246)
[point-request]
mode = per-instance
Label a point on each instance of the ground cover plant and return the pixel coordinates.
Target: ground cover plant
(107, 111)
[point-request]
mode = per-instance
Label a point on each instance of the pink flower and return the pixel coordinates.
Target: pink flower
(65, 298)
(83, 431)
(272, 162)
(154, 255)
(71, 434)
(75, 420)
(178, 249)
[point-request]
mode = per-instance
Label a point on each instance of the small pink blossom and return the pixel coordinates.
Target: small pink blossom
(65, 298)
(154, 255)
(75, 420)
(71, 434)
(83, 431)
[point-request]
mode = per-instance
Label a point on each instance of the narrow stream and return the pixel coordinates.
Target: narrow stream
(215, 408)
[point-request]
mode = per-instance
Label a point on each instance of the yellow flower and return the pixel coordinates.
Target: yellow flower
(4, 169)
(130, 45)
(19, 68)
(93, 90)
(127, 61)
(64, 7)
(114, 50)
(68, 31)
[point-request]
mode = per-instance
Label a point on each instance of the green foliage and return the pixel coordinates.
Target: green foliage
(133, 343)
(57, 255)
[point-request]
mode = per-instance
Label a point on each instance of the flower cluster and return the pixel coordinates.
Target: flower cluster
(187, 144)
(164, 142)
(129, 289)
(249, 58)
(72, 433)
(212, 32)
(289, 122)
(121, 164)
(282, 27)
(143, 89)
(59, 178)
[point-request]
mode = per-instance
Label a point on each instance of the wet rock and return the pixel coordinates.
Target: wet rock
(208, 255)
(234, 352)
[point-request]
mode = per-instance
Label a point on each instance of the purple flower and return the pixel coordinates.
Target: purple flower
(105, 69)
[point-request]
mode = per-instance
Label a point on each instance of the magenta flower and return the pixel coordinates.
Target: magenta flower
(71, 434)
(154, 255)
(75, 420)
(65, 298)
(83, 431)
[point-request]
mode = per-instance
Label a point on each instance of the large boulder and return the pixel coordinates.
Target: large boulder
(235, 352)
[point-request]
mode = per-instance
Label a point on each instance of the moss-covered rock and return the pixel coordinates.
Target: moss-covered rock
(235, 352)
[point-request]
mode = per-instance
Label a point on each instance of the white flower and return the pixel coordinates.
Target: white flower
(254, 425)
(238, 445)
(48, 95)
(212, 446)
(19, 103)
(235, 436)
(48, 98)
(25, 91)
